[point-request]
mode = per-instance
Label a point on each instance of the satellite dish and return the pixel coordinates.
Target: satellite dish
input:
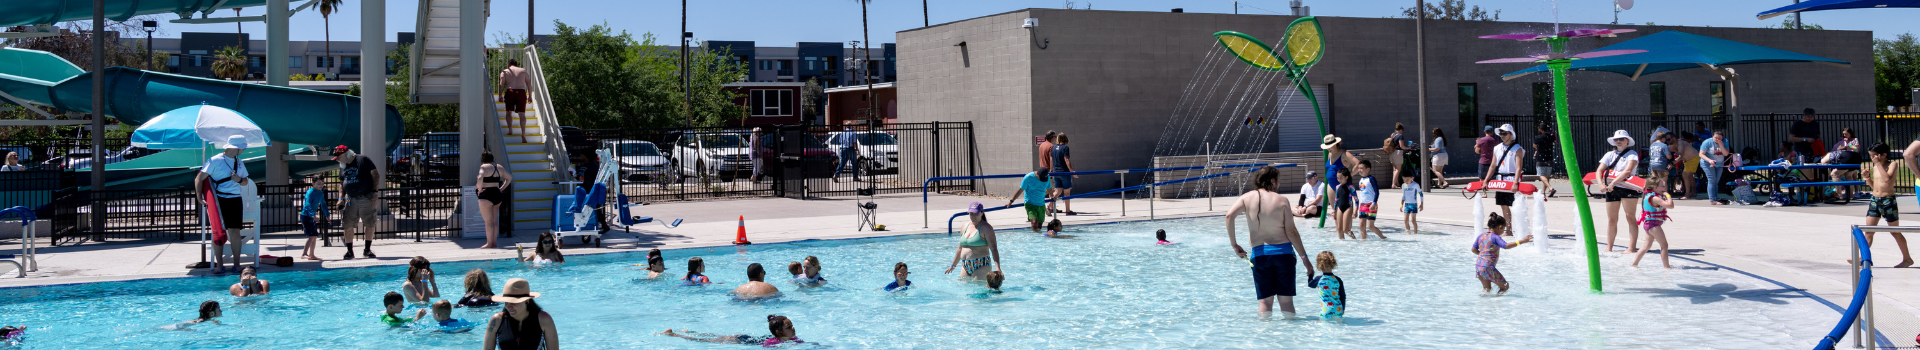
(1623, 4)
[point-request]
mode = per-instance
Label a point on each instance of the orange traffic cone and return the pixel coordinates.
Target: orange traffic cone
(740, 237)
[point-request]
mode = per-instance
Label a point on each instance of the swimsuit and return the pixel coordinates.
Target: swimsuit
(392, 320)
(1273, 270)
(695, 279)
(897, 286)
(1333, 295)
(520, 335)
(1411, 208)
(1883, 207)
(454, 325)
(474, 300)
(1489, 245)
(492, 194)
(1651, 217)
(972, 238)
(1368, 211)
(974, 263)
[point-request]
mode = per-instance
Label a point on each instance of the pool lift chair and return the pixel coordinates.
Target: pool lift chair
(23, 262)
(581, 206)
(249, 230)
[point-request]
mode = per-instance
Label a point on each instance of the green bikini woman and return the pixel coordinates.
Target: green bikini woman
(977, 245)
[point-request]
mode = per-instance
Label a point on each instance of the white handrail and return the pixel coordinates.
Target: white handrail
(549, 120)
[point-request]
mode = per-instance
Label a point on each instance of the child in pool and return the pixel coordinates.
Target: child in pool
(656, 265)
(994, 279)
(780, 326)
(1412, 201)
(1161, 236)
(12, 335)
(1343, 204)
(1653, 213)
(900, 281)
(1333, 293)
(793, 268)
(1366, 196)
(810, 273)
(694, 277)
(1488, 248)
(396, 303)
(209, 310)
(1054, 228)
(443, 319)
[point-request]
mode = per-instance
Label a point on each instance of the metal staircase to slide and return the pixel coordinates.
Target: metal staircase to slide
(533, 151)
(435, 55)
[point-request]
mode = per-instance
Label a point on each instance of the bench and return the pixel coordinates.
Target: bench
(1803, 195)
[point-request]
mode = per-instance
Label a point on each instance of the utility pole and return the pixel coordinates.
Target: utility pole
(530, 23)
(685, 76)
(1796, 18)
(925, 21)
(1420, 73)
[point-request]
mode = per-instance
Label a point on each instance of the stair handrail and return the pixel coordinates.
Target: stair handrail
(413, 52)
(549, 120)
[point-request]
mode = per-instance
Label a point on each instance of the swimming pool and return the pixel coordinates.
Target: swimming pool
(1111, 287)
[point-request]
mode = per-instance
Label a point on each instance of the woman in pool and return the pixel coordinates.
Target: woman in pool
(780, 326)
(522, 325)
(978, 247)
(655, 263)
(420, 287)
(1488, 247)
(479, 290)
(546, 251)
(209, 310)
(1276, 242)
(756, 286)
(250, 284)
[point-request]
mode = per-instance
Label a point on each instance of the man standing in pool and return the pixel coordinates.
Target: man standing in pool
(1276, 241)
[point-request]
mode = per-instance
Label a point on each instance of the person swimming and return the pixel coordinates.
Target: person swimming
(250, 283)
(1161, 237)
(900, 281)
(209, 311)
(656, 265)
(394, 305)
(444, 322)
(780, 326)
(694, 277)
(1054, 228)
(756, 286)
(809, 273)
(12, 335)
(479, 290)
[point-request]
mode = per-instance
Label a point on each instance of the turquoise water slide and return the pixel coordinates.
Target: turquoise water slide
(29, 12)
(295, 116)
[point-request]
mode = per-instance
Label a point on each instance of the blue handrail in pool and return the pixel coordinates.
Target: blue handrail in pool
(1129, 188)
(924, 185)
(1860, 294)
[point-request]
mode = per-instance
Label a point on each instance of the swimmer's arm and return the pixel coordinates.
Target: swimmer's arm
(493, 327)
(1911, 157)
(265, 287)
(1015, 196)
(432, 287)
(546, 324)
(234, 289)
(1299, 247)
(1523, 240)
(956, 258)
(1231, 213)
(421, 315)
(993, 245)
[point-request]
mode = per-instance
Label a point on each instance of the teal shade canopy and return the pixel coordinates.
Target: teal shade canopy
(1673, 50)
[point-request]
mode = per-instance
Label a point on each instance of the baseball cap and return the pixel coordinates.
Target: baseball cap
(339, 150)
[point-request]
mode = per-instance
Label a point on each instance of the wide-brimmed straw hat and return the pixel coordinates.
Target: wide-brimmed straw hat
(1621, 134)
(517, 291)
(1327, 142)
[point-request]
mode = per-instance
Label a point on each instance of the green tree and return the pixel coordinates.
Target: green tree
(1453, 10)
(230, 63)
(599, 78)
(1788, 24)
(418, 118)
(1896, 69)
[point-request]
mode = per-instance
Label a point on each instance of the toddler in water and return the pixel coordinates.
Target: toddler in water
(1488, 248)
(1054, 228)
(396, 303)
(1333, 294)
(810, 273)
(694, 278)
(1412, 201)
(1366, 193)
(1653, 213)
(900, 281)
(443, 319)
(993, 281)
(1161, 235)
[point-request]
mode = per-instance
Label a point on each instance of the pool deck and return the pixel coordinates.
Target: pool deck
(1801, 248)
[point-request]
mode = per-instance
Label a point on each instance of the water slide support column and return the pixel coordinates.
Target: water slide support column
(373, 92)
(99, 174)
(276, 60)
(475, 106)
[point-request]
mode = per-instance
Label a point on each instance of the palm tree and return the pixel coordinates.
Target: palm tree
(230, 63)
(860, 74)
(327, 8)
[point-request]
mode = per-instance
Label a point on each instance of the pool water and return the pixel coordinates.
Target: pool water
(1110, 287)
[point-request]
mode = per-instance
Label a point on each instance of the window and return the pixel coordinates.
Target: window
(196, 52)
(198, 61)
(786, 65)
(1469, 107)
(1657, 98)
(173, 61)
(254, 61)
(770, 103)
(1718, 90)
(322, 62)
(296, 62)
(1542, 99)
(350, 62)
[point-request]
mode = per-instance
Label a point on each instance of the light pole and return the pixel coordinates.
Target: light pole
(149, 26)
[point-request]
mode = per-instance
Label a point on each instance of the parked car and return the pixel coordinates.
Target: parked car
(640, 160)
(440, 157)
(403, 165)
(721, 155)
(817, 157)
(879, 151)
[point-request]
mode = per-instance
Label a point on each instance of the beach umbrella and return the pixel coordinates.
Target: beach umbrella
(195, 127)
(1822, 5)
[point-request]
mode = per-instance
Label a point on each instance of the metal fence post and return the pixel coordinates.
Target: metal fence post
(1123, 194)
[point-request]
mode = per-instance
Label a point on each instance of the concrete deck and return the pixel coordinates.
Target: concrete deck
(1802, 248)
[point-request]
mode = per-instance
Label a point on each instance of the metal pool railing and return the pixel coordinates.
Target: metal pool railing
(1859, 312)
(1254, 167)
(924, 210)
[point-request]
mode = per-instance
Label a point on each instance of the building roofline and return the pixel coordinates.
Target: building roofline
(859, 87)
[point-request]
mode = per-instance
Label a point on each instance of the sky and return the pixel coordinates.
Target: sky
(782, 22)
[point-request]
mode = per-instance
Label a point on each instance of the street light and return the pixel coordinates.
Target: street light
(149, 26)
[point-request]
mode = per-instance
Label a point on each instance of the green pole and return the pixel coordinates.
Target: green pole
(1307, 89)
(1559, 68)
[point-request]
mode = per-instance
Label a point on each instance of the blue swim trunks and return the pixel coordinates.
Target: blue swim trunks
(1273, 270)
